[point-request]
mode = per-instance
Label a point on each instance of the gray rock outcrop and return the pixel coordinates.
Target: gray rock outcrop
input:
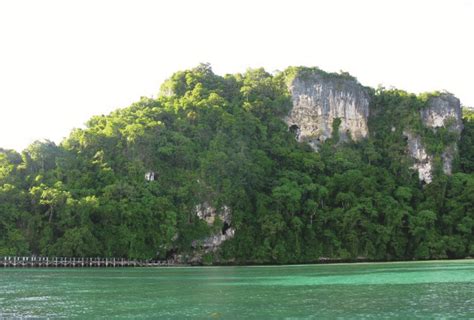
(443, 110)
(209, 214)
(423, 162)
(318, 99)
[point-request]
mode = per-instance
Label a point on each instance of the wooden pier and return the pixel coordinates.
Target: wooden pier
(68, 262)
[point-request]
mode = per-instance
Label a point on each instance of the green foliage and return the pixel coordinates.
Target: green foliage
(335, 129)
(468, 113)
(221, 140)
(306, 73)
(466, 145)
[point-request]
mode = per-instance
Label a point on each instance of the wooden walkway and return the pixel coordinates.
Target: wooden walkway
(66, 262)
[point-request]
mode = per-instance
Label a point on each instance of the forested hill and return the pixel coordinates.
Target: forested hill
(251, 168)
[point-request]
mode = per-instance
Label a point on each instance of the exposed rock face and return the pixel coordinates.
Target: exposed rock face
(448, 157)
(442, 111)
(150, 176)
(319, 99)
(423, 161)
(213, 242)
(209, 214)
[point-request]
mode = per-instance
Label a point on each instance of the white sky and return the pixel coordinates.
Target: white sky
(63, 61)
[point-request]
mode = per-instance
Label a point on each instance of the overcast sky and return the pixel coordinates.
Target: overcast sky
(63, 61)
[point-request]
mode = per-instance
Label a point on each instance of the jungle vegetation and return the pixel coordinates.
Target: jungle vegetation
(221, 140)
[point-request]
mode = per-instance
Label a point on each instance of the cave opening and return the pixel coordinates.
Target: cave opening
(171, 253)
(225, 227)
(294, 129)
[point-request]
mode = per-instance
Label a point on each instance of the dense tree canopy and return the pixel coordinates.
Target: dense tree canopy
(221, 140)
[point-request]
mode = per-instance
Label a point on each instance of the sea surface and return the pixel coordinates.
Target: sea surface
(425, 290)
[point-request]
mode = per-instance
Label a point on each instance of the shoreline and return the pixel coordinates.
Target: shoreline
(63, 262)
(338, 262)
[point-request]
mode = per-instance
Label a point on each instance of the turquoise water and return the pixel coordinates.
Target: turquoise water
(371, 291)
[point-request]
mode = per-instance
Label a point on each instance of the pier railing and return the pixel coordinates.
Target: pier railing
(72, 262)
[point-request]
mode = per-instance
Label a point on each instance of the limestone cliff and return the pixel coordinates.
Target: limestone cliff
(445, 111)
(209, 214)
(318, 99)
(423, 162)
